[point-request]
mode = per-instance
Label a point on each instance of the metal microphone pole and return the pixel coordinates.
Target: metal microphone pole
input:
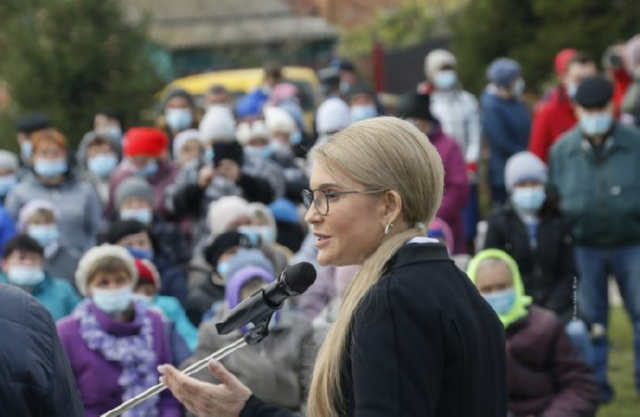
(254, 336)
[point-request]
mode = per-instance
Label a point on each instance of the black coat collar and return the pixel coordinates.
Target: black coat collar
(417, 253)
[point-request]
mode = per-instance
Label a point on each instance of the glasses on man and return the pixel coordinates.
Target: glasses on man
(320, 198)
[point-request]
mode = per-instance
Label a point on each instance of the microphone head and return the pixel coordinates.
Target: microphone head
(299, 277)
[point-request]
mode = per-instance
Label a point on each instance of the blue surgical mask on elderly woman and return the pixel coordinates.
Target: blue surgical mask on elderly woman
(44, 234)
(501, 301)
(362, 112)
(595, 123)
(445, 79)
(50, 168)
(102, 165)
(179, 118)
(113, 301)
(25, 276)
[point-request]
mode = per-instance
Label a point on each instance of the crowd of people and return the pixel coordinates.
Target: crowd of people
(141, 239)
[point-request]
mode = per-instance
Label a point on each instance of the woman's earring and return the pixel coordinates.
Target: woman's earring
(387, 228)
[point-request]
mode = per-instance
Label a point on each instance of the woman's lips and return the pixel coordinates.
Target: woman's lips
(321, 240)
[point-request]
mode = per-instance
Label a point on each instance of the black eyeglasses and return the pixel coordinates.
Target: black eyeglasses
(320, 198)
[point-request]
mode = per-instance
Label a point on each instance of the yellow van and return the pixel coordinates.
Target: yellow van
(241, 81)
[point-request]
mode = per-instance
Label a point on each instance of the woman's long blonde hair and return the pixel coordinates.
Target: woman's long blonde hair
(384, 153)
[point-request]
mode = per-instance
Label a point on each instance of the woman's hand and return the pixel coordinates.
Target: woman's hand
(226, 399)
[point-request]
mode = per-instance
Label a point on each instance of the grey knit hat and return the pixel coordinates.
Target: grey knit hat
(524, 166)
(133, 187)
(87, 266)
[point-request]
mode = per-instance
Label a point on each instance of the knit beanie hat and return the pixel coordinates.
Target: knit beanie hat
(182, 138)
(524, 166)
(284, 210)
(238, 280)
(91, 260)
(145, 141)
(437, 59)
(217, 125)
(133, 187)
(31, 208)
(503, 71)
(561, 61)
(251, 130)
(248, 257)
(147, 273)
(415, 105)
(594, 92)
(223, 243)
(333, 115)
(8, 161)
(278, 120)
(32, 122)
(224, 211)
(228, 150)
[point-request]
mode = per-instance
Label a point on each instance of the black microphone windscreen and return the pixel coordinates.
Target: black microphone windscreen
(300, 276)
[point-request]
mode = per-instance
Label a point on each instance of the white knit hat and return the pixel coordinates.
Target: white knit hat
(87, 264)
(182, 138)
(279, 120)
(524, 166)
(218, 125)
(436, 59)
(8, 160)
(224, 211)
(332, 116)
(251, 130)
(31, 208)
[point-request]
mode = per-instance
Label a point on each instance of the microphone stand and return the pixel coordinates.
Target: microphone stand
(252, 337)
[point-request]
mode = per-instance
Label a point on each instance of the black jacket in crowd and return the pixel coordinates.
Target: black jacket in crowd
(423, 343)
(548, 270)
(35, 375)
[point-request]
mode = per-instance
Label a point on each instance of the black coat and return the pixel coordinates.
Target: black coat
(548, 270)
(35, 375)
(423, 343)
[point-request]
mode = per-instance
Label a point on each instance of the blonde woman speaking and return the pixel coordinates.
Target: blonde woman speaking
(413, 336)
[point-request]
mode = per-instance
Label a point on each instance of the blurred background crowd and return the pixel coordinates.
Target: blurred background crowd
(139, 212)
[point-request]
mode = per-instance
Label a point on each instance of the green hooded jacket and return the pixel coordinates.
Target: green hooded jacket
(522, 302)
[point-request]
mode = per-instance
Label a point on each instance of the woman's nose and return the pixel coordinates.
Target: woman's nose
(312, 216)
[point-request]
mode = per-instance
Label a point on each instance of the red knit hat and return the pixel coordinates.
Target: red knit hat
(145, 141)
(561, 61)
(147, 273)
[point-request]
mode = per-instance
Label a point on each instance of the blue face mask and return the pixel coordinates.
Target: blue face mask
(102, 165)
(208, 154)
(263, 152)
(44, 234)
(179, 119)
(113, 301)
(50, 168)
(144, 216)
(501, 301)
(252, 232)
(295, 138)
(140, 253)
(25, 276)
(223, 269)
(363, 112)
(26, 149)
(595, 124)
(6, 184)
(445, 79)
(529, 199)
(149, 169)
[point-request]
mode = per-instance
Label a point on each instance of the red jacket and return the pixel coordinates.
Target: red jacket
(552, 118)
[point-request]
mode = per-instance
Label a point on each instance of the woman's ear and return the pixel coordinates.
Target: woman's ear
(392, 207)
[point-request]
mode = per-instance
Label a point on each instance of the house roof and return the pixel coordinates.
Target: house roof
(202, 23)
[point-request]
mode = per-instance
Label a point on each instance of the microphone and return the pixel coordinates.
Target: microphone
(294, 280)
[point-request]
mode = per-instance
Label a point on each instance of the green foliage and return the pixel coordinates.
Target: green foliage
(533, 31)
(69, 58)
(409, 24)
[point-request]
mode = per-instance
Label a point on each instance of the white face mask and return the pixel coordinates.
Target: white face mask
(25, 276)
(113, 301)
